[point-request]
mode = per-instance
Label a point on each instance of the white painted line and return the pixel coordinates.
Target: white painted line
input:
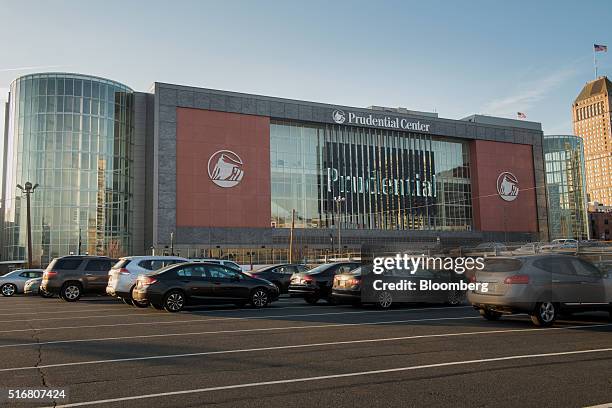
(219, 319)
(293, 346)
(332, 376)
(318, 326)
(608, 405)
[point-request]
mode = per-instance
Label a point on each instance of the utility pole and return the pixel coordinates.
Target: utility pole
(339, 200)
(291, 236)
(27, 191)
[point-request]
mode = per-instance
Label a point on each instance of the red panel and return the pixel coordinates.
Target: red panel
(491, 212)
(202, 203)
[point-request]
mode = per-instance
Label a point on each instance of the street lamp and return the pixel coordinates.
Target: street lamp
(339, 200)
(27, 190)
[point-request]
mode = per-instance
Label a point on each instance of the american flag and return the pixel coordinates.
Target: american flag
(600, 48)
(521, 115)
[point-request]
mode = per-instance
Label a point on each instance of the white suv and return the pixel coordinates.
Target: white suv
(224, 262)
(123, 275)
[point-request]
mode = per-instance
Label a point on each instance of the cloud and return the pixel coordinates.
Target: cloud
(528, 93)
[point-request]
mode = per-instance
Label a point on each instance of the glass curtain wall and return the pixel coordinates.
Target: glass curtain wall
(72, 135)
(566, 187)
(385, 179)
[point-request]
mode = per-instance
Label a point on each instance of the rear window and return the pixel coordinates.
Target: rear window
(65, 264)
(318, 269)
(122, 263)
(502, 265)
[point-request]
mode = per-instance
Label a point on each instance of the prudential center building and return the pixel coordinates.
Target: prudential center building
(218, 173)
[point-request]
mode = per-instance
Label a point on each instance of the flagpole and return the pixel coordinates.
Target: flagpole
(595, 61)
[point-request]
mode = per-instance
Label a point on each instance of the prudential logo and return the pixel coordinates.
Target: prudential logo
(507, 186)
(339, 116)
(225, 168)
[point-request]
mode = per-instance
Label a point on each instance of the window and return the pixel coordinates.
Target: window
(98, 265)
(65, 264)
(555, 265)
(194, 271)
(584, 268)
(219, 272)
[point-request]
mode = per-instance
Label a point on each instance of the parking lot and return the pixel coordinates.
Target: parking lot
(105, 353)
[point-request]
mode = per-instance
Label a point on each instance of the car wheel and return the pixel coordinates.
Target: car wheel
(490, 314)
(311, 300)
(44, 294)
(174, 301)
(127, 301)
(8, 289)
(71, 292)
(455, 297)
(259, 298)
(544, 314)
(385, 300)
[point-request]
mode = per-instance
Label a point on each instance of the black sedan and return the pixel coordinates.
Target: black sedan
(356, 287)
(317, 283)
(279, 274)
(175, 286)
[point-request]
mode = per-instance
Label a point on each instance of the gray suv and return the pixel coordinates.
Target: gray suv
(543, 286)
(72, 276)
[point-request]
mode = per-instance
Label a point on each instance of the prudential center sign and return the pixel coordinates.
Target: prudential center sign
(388, 122)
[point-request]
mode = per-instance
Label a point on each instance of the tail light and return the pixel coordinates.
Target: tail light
(146, 280)
(517, 279)
(49, 274)
(307, 280)
(124, 271)
(354, 281)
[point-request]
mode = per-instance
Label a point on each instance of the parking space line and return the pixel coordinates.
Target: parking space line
(263, 329)
(298, 346)
(220, 319)
(608, 405)
(333, 376)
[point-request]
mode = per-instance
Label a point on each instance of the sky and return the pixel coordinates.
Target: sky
(453, 57)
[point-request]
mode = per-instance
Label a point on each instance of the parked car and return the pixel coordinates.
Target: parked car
(14, 281)
(561, 244)
(173, 287)
(279, 274)
(72, 276)
(316, 283)
(123, 275)
(355, 287)
(529, 248)
(544, 286)
(486, 248)
(224, 262)
(32, 287)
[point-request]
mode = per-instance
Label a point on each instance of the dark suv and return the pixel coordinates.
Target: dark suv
(72, 276)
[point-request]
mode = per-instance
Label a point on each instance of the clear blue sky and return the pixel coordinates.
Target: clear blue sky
(454, 57)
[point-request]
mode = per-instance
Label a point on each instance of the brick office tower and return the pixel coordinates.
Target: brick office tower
(591, 116)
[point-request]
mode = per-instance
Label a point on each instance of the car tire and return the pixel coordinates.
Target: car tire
(456, 297)
(490, 314)
(384, 300)
(127, 301)
(8, 289)
(259, 298)
(71, 291)
(544, 314)
(311, 300)
(174, 301)
(44, 294)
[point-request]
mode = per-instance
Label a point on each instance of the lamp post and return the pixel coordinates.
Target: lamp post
(339, 200)
(26, 190)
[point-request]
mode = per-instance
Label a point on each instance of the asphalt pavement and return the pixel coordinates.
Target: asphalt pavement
(106, 354)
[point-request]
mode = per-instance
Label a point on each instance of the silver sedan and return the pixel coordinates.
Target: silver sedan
(14, 282)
